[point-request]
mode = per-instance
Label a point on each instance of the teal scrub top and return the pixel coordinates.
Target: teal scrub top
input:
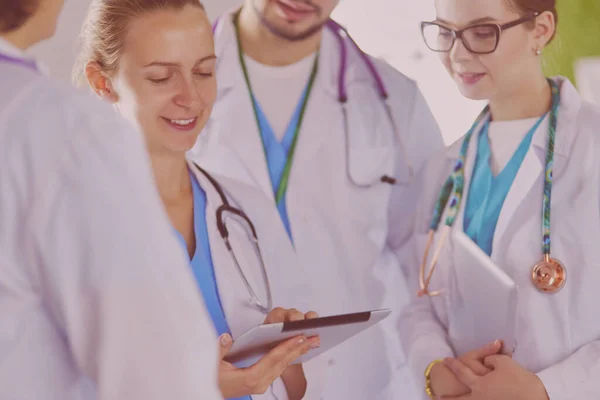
(488, 192)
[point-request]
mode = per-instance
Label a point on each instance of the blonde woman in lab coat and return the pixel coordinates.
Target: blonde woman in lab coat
(87, 260)
(530, 173)
(155, 61)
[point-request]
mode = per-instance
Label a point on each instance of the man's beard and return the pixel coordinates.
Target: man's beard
(296, 37)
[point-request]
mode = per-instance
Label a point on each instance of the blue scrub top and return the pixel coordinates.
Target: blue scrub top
(276, 152)
(202, 264)
(488, 192)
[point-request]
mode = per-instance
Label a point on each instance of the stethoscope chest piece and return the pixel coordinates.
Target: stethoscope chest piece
(549, 275)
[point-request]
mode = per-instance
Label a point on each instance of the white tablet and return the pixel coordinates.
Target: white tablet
(484, 308)
(333, 330)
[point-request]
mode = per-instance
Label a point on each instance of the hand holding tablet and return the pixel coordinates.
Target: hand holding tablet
(253, 345)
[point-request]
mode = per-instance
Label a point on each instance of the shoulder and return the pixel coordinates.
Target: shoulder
(405, 97)
(63, 111)
(438, 167)
(393, 77)
(587, 129)
(588, 118)
(224, 33)
(575, 115)
(583, 117)
(59, 125)
(393, 80)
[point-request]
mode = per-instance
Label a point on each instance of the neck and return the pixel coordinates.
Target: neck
(533, 98)
(267, 48)
(19, 41)
(171, 175)
(25, 36)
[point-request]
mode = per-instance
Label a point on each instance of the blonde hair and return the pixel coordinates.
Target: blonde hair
(105, 27)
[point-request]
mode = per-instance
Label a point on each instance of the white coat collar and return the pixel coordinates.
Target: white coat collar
(11, 50)
(237, 139)
(289, 283)
(230, 73)
(532, 167)
(570, 104)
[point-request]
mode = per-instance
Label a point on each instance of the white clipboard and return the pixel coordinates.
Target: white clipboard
(249, 348)
(485, 307)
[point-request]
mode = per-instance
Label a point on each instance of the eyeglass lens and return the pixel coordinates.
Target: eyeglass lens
(478, 38)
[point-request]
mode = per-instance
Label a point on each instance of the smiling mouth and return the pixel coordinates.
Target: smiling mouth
(469, 78)
(182, 124)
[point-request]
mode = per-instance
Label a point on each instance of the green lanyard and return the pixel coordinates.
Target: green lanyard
(288, 165)
(453, 188)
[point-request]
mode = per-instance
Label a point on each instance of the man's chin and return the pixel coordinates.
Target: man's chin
(292, 31)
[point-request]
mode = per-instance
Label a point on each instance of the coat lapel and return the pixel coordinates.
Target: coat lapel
(234, 296)
(469, 168)
(231, 142)
(531, 174)
(288, 281)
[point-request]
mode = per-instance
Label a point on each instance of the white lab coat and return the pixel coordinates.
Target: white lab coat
(587, 74)
(342, 234)
(289, 281)
(96, 298)
(557, 335)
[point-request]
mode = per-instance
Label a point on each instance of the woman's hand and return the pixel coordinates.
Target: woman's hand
(506, 381)
(293, 376)
(445, 383)
(238, 382)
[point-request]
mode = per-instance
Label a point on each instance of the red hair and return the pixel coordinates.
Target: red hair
(536, 6)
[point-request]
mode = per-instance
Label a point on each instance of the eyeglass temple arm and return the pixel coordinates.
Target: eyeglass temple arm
(519, 21)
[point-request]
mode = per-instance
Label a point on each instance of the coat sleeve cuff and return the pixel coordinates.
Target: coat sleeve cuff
(421, 355)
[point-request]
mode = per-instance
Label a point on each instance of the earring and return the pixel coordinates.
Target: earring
(538, 52)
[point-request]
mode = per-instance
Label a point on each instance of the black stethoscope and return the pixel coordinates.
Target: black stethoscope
(227, 212)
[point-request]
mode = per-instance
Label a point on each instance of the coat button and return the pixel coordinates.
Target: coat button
(331, 362)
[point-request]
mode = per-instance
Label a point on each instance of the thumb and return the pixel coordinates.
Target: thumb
(493, 361)
(490, 349)
(225, 343)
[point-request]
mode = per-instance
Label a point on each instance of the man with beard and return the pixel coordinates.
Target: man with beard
(336, 139)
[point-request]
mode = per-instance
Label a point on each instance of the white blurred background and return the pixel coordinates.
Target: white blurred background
(385, 28)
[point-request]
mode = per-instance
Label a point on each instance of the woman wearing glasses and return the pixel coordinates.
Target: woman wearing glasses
(155, 61)
(525, 177)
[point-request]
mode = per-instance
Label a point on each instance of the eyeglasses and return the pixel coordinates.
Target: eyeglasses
(478, 39)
